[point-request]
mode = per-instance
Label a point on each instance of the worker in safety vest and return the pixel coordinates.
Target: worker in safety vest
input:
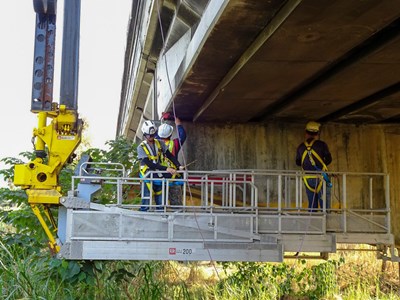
(151, 154)
(313, 155)
(165, 132)
(174, 145)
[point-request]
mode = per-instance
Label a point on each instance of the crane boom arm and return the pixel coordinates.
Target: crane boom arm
(55, 142)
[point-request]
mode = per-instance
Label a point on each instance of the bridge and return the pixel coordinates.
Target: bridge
(255, 61)
(246, 75)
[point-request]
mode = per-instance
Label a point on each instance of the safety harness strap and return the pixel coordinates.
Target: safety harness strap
(155, 157)
(166, 162)
(317, 188)
(311, 152)
(170, 145)
(148, 184)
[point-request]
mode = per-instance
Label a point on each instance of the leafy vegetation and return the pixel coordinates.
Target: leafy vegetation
(28, 271)
(277, 280)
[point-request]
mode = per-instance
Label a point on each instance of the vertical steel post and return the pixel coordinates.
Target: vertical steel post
(344, 203)
(279, 203)
(119, 191)
(387, 200)
(253, 196)
(323, 196)
(234, 190)
(43, 63)
(244, 204)
(370, 193)
(185, 183)
(155, 106)
(70, 54)
(297, 192)
(268, 198)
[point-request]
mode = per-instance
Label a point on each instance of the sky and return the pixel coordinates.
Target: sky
(103, 36)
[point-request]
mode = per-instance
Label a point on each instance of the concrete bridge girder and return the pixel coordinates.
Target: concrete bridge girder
(250, 73)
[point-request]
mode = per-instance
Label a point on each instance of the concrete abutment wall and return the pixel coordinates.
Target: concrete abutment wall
(367, 148)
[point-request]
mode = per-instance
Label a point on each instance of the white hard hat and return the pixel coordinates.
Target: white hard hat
(165, 131)
(148, 128)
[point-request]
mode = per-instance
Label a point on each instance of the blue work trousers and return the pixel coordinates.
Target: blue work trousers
(146, 196)
(315, 198)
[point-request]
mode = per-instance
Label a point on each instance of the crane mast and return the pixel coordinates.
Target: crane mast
(59, 129)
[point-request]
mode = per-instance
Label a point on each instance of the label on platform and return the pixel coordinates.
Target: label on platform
(66, 137)
(183, 251)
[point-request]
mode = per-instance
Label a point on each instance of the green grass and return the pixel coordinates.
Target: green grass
(28, 272)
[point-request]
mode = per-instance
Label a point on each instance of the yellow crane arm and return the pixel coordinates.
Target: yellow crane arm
(55, 142)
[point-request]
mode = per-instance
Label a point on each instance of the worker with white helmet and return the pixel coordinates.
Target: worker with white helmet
(165, 132)
(313, 155)
(151, 154)
(174, 145)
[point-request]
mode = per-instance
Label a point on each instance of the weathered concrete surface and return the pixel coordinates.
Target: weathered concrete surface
(372, 148)
(256, 61)
(288, 60)
(321, 61)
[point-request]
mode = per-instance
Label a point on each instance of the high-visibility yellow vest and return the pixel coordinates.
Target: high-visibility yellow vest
(166, 162)
(156, 157)
(170, 145)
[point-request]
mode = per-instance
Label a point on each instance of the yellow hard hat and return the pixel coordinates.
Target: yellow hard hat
(313, 126)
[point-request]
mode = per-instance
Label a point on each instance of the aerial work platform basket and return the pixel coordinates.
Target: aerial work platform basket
(229, 215)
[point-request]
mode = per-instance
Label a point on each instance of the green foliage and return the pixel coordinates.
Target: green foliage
(74, 272)
(8, 173)
(30, 275)
(65, 178)
(123, 151)
(27, 271)
(13, 201)
(12, 197)
(271, 281)
(247, 281)
(22, 244)
(26, 275)
(120, 151)
(15, 213)
(23, 275)
(325, 283)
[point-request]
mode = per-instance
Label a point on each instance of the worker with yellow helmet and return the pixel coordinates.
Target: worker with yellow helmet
(314, 155)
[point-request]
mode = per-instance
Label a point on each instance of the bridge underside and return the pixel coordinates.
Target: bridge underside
(244, 74)
(250, 60)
